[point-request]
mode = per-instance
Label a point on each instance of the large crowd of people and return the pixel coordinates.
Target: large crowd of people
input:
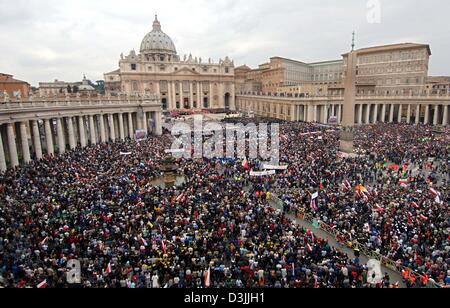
(100, 205)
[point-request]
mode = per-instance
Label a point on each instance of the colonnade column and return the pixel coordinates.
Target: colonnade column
(400, 113)
(391, 113)
(71, 132)
(383, 113)
(121, 127)
(360, 113)
(427, 114)
(81, 127)
(130, 125)
(436, 115)
(2, 156)
(368, 113)
(112, 133)
(60, 133)
(36, 139)
(325, 114)
(24, 141)
(340, 114)
(92, 130)
(445, 118)
(14, 158)
(375, 114)
(158, 123)
(49, 137)
(418, 114)
(408, 115)
(102, 128)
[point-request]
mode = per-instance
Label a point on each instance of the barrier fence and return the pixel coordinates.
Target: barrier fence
(339, 236)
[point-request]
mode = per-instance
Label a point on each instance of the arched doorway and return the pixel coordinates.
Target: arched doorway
(227, 100)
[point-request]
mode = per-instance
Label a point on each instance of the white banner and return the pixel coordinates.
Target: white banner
(176, 151)
(125, 153)
(309, 134)
(315, 196)
(262, 173)
(272, 167)
(374, 275)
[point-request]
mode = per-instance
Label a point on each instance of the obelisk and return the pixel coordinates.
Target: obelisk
(348, 117)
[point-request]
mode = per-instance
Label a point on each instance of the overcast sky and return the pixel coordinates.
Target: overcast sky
(41, 40)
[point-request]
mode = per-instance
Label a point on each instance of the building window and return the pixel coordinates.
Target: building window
(133, 66)
(227, 70)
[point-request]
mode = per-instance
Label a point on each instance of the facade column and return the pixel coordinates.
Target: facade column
(391, 113)
(314, 113)
(112, 133)
(211, 96)
(49, 138)
(3, 166)
(191, 95)
(24, 141)
(60, 133)
(408, 115)
(417, 114)
(174, 93)
(333, 110)
(375, 114)
(121, 127)
(400, 113)
(158, 88)
(445, 118)
(14, 158)
(436, 115)
(130, 125)
(199, 95)
(360, 114)
(71, 132)
(427, 115)
(293, 113)
(82, 132)
(102, 128)
(36, 140)
(92, 130)
(305, 113)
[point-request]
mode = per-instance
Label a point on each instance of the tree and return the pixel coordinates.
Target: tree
(75, 89)
(69, 89)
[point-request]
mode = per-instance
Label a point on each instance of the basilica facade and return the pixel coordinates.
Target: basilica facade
(187, 83)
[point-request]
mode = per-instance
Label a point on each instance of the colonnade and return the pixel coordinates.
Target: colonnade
(24, 140)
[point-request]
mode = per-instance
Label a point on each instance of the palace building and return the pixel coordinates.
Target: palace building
(190, 83)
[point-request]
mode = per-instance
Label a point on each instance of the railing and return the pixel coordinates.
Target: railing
(73, 97)
(103, 101)
(339, 96)
(336, 234)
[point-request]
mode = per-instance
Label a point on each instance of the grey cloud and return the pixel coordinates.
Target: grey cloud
(48, 39)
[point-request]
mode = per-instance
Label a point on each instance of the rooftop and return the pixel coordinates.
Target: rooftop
(392, 47)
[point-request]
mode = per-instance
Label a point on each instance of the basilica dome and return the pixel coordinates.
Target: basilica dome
(157, 41)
